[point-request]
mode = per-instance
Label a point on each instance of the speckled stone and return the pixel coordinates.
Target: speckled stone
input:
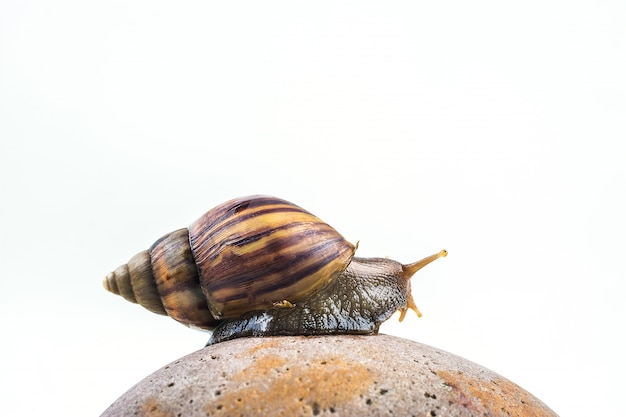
(325, 375)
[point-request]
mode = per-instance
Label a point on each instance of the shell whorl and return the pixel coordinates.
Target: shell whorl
(164, 280)
(253, 252)
(134, 282)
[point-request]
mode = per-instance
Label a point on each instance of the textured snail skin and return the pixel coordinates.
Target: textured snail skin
(363, 296)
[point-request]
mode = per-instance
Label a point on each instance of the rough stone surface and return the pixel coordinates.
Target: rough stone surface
(325, 375)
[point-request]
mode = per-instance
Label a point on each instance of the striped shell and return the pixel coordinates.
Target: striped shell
(247, 254)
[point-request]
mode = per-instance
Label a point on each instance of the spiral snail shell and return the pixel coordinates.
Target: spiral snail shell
(259, 265)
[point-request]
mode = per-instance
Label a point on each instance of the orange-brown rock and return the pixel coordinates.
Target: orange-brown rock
(325, 375)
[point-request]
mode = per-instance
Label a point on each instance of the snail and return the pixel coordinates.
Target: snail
(262, 266)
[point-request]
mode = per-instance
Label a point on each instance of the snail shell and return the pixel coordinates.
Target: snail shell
(244, 255)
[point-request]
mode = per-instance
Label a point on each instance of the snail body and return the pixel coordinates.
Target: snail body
(261, 266)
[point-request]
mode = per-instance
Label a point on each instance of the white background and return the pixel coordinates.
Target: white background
(494, 130)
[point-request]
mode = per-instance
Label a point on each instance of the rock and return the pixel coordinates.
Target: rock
(324, 375)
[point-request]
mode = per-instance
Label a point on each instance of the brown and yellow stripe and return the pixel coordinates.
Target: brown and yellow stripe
(254, 251)
(177, 283)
